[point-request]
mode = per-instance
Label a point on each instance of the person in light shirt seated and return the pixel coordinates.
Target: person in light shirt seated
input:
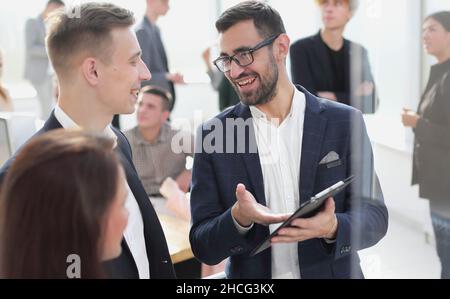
(48, 217)
(157, 154)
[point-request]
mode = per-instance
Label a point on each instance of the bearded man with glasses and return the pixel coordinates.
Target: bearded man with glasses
(244, 184)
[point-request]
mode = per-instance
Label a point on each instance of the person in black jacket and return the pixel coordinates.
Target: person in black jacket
(332, 67)
(97, 60)
(431, 125)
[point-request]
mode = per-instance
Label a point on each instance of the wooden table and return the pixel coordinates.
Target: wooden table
(177, 235)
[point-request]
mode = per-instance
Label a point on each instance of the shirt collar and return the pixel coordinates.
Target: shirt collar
(297, 107)
(162, 137)
(68, 123)
(441, 67)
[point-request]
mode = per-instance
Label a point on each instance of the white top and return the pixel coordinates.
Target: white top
(134, 232)
(280, 149)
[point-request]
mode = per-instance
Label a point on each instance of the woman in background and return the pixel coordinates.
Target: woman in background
(431, 125)
(5, 99)
(63, 196)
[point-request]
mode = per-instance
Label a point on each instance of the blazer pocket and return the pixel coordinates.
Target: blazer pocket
(331, 172)
(332, 165)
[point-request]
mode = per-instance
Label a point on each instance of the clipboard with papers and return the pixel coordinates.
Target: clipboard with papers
(306, 210)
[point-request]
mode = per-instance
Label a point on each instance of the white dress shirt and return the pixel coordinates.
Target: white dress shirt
(134, 232)
(280, 148)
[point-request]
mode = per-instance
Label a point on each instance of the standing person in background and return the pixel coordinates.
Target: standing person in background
(37, 66)
(153, 51)
(5, 98)
(431, 125)
(332, 67)
(46, 217)
(227, 95)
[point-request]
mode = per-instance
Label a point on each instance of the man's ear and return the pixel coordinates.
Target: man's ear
(90, 70)
(165, 116)
(282, 44)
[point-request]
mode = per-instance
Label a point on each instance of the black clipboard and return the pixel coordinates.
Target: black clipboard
(306, 210)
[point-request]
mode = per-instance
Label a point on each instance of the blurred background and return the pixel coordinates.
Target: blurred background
(389, 30)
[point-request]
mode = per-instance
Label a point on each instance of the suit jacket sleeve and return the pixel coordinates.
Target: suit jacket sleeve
(213, 235)
(365, 221)
(33, 49)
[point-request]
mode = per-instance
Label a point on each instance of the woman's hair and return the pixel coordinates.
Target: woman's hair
(3, 94)
(442, 17)
(54, 204)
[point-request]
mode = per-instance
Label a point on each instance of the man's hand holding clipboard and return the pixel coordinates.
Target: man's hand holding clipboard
(308, 222)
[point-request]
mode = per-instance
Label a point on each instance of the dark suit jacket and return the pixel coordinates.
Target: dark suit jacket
(311, 68)
(158, 254)
(154, 56)
(36, 59)
(431, 168)
(328, 127)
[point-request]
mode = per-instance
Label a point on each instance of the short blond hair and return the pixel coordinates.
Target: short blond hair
(353, 4)
(69, 35)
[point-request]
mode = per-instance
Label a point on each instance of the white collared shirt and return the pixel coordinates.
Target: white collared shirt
(280, 148)
(134, 232)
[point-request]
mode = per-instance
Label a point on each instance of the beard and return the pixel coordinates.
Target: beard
(268, 88)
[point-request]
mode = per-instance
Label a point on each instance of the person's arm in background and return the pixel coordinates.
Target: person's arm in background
(425, 129)
(301, 69)
(33, 48)
(214, 74)
(364, 95)
(184, 179)
(159, 78)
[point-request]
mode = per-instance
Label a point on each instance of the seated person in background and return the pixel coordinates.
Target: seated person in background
(331, 66)
(151, 142)
(227, 95)
(5, 99)
(47, 217)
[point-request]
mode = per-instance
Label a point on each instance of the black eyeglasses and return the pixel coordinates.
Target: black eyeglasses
(242, 58)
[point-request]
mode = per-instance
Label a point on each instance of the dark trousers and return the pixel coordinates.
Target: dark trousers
(441, 226)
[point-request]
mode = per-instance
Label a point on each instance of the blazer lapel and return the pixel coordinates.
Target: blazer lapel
(251, 160)
(157, 250)
(313, 135)
(51, 124)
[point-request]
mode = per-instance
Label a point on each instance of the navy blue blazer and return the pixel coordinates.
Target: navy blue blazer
(124, 267)
(362, 215)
